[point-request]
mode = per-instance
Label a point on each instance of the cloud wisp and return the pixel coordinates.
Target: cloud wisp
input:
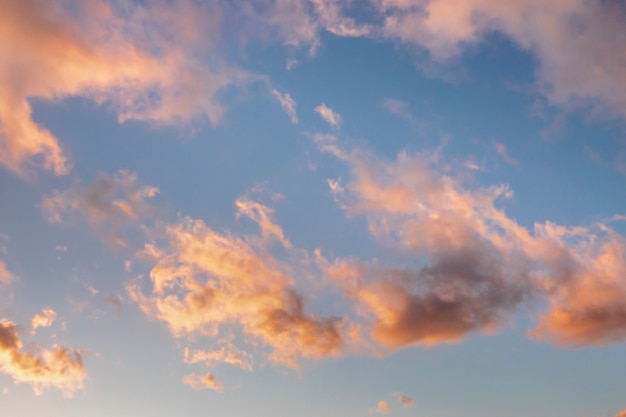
(329, 115)
(109, 204)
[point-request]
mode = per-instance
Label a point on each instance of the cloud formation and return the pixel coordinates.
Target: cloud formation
(45, 319)
(329, 116)
(208, 381)
(152, 62)
(381, 408)
(57, 367)
(109, 203)
(404, 400)
(219, 285)
(570, 38)
(288, 104)
(5, 276)
(468, 265)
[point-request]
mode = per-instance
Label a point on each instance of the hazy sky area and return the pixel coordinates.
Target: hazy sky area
(313, 208)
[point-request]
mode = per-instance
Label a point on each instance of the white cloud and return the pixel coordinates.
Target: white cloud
(288, 104)
(331, 117)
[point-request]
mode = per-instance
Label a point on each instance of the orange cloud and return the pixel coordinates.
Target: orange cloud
(198, 382)
(57, 367)
(45, 319)
(288, 104)
(469, 266)
(107, 204)
(212, 284)
(149, 62)
(588, 296)
(5, 276)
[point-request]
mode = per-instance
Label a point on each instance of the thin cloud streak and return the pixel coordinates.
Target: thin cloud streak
(329, 115)
(288, 104)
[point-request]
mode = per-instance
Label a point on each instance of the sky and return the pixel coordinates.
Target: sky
(313, 208)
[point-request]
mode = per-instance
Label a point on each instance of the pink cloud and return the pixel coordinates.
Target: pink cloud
(145, 61)
(468, 265)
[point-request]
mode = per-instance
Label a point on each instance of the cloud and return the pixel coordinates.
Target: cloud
(571, 39)
(468, 266)
(153, 62)
(45, 319)
(57, 367)
(214, 284)
(399, 108)
(588, 293)
(501, 150)
(621, 413)
(198, 382)
(329, 116)
(288, 104)
(108, 204)
(381, 408)
(404, 400)
(5, 276)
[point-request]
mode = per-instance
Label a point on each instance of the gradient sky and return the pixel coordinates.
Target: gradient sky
(312, 208)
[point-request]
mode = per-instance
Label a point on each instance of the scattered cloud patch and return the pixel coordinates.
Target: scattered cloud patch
(329, 116)
(288, 104)
(381, 408)
(57, 367)
(45, 319)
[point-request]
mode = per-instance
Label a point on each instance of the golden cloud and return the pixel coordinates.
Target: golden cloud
(57, 367)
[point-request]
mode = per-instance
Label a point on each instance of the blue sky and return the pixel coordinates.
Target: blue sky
(312, 207)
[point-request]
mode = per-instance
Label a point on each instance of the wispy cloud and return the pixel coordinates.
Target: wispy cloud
(288, 104)
(45, 319)
(208, 381)
(504, 154)
(5, 276)
(330, 116)
(381, 408)
(404, 400)
(108, 204)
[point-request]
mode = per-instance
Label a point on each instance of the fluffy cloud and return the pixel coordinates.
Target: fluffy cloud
(107, 204)
(152, 62)
(468, 265)
(579, 44)
(45, 319)
(57, 367)
(214, 284)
